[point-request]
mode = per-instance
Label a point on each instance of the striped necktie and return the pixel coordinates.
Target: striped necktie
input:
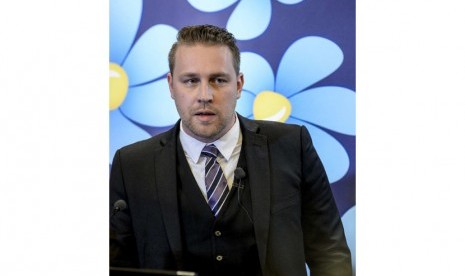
(215, 182)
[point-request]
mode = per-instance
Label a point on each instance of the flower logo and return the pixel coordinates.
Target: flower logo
(138, 88)
(249, 19)
(291, 98)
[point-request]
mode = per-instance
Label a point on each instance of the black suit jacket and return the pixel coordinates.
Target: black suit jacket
(296, 220)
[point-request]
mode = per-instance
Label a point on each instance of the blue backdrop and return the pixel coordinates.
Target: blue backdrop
(298, 59)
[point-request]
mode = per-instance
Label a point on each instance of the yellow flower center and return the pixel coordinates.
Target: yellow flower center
(119, 84)
(271, 106)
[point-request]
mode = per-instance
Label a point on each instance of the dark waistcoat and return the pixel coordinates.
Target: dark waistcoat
(216, 246)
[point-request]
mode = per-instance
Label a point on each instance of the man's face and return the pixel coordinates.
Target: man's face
(205, 89)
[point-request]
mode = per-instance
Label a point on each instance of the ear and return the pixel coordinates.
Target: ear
(240, 84)
(169, 77)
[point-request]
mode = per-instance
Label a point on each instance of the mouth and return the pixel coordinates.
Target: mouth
(204, 115)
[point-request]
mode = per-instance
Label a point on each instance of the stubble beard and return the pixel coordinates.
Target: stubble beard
(206, 132)
(211, 131)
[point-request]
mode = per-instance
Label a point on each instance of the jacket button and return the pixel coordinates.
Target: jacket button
(219, 258)
(217, 233)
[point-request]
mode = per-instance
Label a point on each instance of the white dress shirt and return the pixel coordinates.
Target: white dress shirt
(229, 147)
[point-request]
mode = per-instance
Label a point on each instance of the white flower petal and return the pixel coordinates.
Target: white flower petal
(148, 58)
(211, 6)
(151, 104)
(306, 61)
(332, 107)
(250, 19)
(332, 154)
(258, 75)
(123, 132)
(124, 22)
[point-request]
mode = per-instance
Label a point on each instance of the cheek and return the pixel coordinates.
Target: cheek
(183, 101)
(233, 98)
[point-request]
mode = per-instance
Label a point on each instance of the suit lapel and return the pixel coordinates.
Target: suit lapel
(259, 178)
(166, 185)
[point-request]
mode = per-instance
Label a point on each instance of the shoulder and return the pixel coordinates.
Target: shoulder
(271, 129)
(150, 144)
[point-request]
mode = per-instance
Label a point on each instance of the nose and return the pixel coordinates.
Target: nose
(205, 93)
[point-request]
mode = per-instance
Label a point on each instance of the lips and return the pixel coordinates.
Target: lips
(205, 116)
(204, 113)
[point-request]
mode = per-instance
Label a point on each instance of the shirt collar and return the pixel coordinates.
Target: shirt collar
(225, 144)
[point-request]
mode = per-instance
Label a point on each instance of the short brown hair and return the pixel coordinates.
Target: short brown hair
(209, 35)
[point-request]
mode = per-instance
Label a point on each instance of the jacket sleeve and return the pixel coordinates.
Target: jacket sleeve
(326, 250)
(123, 251)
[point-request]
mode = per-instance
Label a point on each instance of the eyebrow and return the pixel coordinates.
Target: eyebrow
(216, 75)
(196, 75)
(188, 75)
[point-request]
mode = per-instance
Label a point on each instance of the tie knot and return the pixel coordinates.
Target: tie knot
(210, 151)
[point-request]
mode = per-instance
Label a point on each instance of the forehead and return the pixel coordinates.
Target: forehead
(203, 57)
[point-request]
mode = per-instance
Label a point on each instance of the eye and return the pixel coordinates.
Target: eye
(190, 82)
(220, 81)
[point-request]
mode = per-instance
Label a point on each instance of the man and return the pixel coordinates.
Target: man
(219, 194)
